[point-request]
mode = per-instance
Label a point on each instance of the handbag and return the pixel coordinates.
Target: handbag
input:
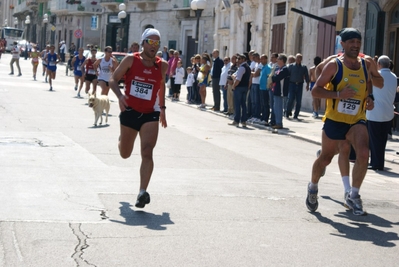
(200, 77)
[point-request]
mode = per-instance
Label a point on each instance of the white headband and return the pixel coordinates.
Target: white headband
(148, 32)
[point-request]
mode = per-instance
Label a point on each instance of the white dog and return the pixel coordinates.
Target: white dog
(99, 104)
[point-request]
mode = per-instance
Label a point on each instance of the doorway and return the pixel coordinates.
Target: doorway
(190, 50)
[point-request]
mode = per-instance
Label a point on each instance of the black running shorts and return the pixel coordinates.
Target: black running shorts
(134, 119)
(338, 130)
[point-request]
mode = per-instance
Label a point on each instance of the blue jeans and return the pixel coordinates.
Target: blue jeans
(278, 110)
(272, 116)
(224, 92)
(264, 105)
(255, 100)
(294, 93)
(240, 105)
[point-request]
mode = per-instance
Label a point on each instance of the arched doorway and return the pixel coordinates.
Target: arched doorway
(374, 31)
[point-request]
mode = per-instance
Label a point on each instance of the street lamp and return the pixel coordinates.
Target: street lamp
(45, 21)
(198, 6)
(6, 22)
(27, 23)
(16, 22)
(121, 16)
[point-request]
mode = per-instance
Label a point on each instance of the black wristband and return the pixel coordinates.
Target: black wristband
(371, 96)
(162, 107)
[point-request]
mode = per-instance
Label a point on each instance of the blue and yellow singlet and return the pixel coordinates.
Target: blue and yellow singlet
(350, 110)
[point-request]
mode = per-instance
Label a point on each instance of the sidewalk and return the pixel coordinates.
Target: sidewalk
(307, 129)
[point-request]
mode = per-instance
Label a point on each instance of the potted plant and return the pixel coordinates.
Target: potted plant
(81, 8)
(11, 6)
(93, 3)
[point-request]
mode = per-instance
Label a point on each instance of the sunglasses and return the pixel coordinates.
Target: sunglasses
(153, 42)
(107, 51)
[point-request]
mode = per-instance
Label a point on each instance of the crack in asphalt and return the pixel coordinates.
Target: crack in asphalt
(77, 256)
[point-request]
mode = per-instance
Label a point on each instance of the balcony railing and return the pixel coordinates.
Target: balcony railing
(112, 1)
(144, 1)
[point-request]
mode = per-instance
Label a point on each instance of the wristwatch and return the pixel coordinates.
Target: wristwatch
(371, 96)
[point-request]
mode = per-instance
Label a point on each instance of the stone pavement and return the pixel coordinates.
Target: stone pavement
(307, 129)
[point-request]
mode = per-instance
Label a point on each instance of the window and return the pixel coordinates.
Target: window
(395, 15)
(279, 9)
(328, 3)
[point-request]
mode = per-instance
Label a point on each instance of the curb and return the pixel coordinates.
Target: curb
(280, 132)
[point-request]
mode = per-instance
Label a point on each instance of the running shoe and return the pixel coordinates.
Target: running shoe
(142, 200)
(76, 87)
(51, 89)
(346, 195)
(233, 123)
(311, 200)
(318, 155)
(356, 205)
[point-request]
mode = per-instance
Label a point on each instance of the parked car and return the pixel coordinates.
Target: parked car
(119, 56)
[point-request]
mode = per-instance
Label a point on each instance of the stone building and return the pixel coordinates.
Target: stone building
(272, 26)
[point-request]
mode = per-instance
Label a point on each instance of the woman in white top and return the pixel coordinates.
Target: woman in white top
(179, 75)
(106, 66)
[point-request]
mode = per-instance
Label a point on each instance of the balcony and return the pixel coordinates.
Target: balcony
(111, 4)
(144, 3)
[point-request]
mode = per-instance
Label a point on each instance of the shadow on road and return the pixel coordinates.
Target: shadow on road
(99, 126)
(359, 228)
(141, 218)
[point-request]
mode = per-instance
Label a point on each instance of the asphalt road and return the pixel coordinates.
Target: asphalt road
(220, 195)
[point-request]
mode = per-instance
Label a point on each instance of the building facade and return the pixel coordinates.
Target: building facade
(229, 25)
(274, 26)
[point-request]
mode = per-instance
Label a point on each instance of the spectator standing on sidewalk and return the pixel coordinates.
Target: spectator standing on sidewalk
(223, 82)
(189, 85)
(280, 88)
(379, 119)
(216, 70)
(15, 51)
(204, 77)
(179, 75)
(196, 67)
(264, 91)
(62, 51)
(316, 102)
(230, 82)
(273, 68)
(240, 88)
(298, 73)
(172, 70)
(255, 91)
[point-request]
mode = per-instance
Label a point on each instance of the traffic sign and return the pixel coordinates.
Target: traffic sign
(78, 33)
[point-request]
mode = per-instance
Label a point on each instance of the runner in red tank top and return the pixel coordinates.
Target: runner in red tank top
(143, 104)
(91, 73)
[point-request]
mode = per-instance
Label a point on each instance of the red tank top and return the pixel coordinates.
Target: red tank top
(90, 68)
(143, 84)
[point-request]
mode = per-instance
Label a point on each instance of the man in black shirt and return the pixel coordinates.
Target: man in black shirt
(298, 72)
(216, 70)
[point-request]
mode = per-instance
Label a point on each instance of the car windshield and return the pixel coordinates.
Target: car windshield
(16, 33)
